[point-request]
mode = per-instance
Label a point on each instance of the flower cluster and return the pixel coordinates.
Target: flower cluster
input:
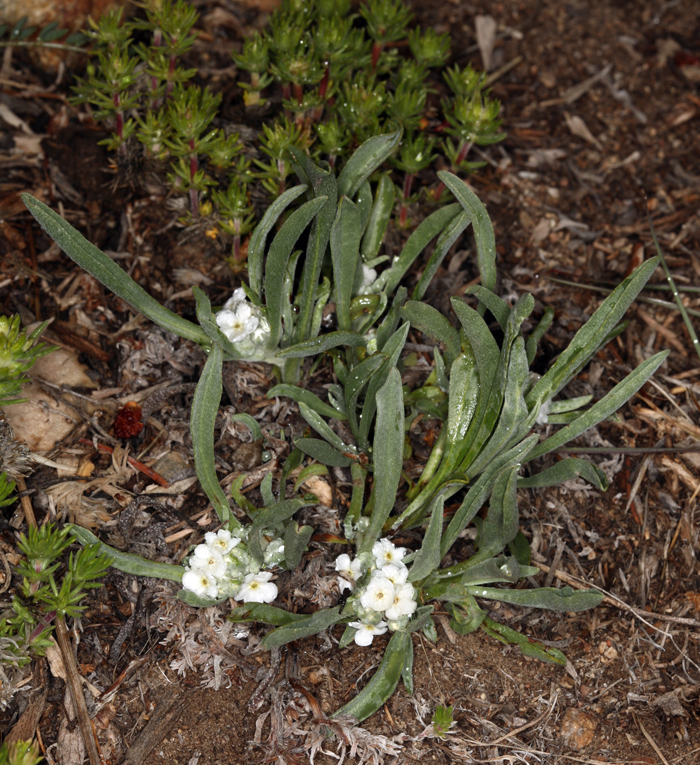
(383, 591)
(245, 325)
(222, 567)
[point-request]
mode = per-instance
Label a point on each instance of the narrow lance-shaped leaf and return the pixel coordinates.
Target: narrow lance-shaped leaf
(427, 230)
(366, 159)
(323, 452)
(303, 396)
(205, 407)
(433, 324)
(312, 625)
(480, 490)
(127, 562)
(610, 403)
(566, 470)
(345, 253)
(379, 218)
(483, 228)
(564, 599)
(392, 348)
(256, 246)
(383, 683)
(107, 272)
(322, 343)
(428, 558)
(277, 260)
(355, 383)
(448, 237)
(388, 453)
(589, 338)
(323, 429)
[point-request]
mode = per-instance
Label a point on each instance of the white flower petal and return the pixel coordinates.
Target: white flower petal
(366, 632)
(379, 594)
(403, 604)
(200, 582)
(257, 588)
(396, 573)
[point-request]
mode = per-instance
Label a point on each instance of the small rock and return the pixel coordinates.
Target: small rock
(577, 729)
(607, 651)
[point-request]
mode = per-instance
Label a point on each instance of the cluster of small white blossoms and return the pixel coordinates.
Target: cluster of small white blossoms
(222, 567)
(245, 325)
(387, 599)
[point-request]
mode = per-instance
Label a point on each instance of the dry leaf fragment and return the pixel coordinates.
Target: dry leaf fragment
(579, 128)
(485, 28)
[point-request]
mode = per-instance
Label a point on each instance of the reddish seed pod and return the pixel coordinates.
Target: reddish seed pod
(127, 423)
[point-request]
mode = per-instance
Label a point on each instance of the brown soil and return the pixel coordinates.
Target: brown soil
(568, 192)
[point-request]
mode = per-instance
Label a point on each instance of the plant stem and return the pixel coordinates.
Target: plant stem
(377, 49)
(69, 662)
(407, 183)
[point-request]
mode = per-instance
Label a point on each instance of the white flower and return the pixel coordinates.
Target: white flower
(404, 604)
(366, 632)
(200, 582)
(379, 594)
(221, 541)
(543, 414)
(257, 588)
(396, 573)
(386, 552)
(369, 276)
(344, 584)
(207, 559)
(237, 320)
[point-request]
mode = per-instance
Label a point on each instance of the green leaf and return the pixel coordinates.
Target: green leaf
(610, 403)
(323, 183)
(501, 523)
(323, 429)
(270, 517)
(551, 598)
(205, 407)
(513, 410)
(307, 472)
(528, 647)
(295, 541)
(307, 627)
(407, 669)
(566, 470)
(345, 256)
(388, 448)
(323, 343)
(107, 272)
(366, 159)
(392, 348)
(483, 425)
(379, 218)
(499, 308)
(250, 423)
(432, 323)
(127, 562)
(355, 383)
(303, 396)
(262, 612)
(483, 228)
(383, 683)
(51, 32)
(428, 557)
(448, 237)
(428, 229)
(189, 598)
(591, 336)
(538, 333)
(480, 490)
(216, 336)
(277, 260)
(256, 246)
(363, 200)
(323, 452)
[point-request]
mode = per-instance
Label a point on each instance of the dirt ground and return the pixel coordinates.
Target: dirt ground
(601, 103)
